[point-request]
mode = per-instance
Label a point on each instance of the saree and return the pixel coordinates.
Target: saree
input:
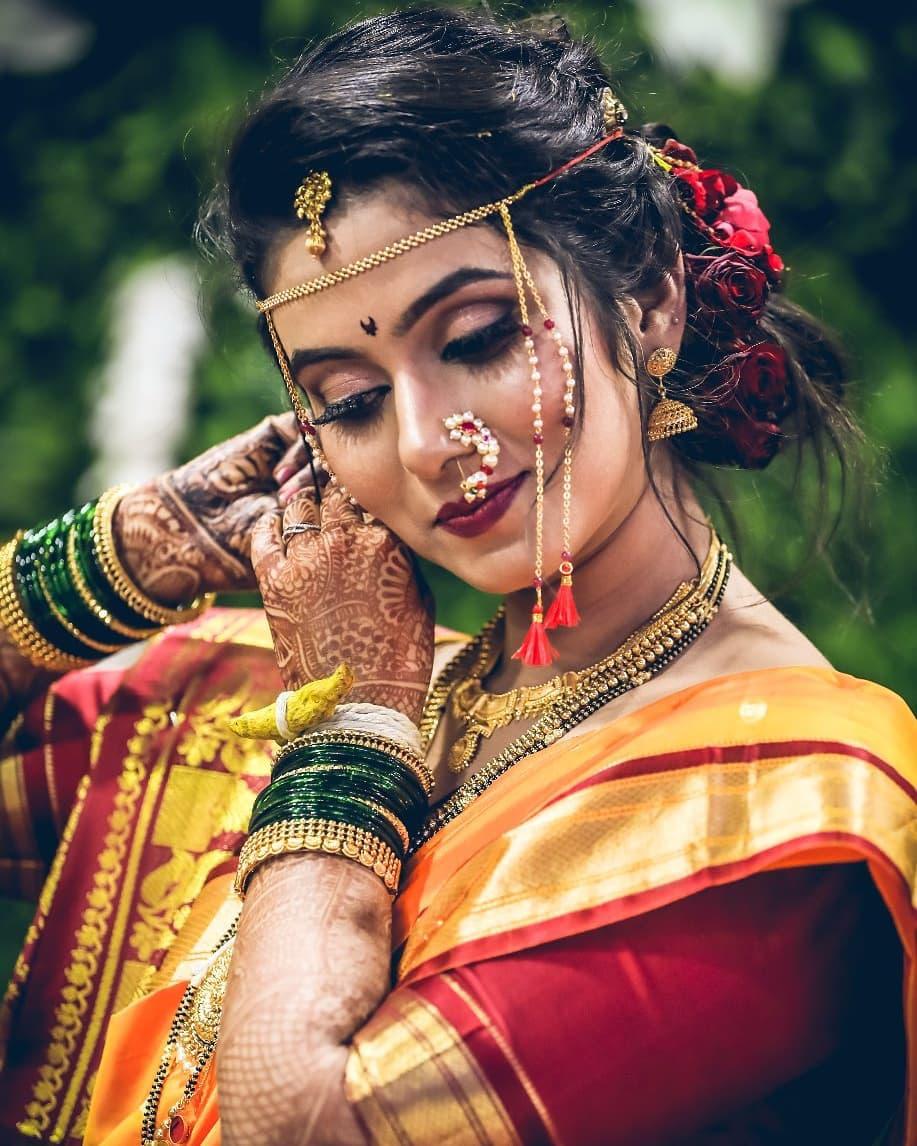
(621, 940)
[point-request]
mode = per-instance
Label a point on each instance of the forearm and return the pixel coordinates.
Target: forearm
(311, 963)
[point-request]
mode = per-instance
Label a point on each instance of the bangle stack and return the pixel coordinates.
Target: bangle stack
(343, 792)
(65, 598)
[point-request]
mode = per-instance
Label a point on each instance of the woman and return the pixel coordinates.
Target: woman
(662, 888)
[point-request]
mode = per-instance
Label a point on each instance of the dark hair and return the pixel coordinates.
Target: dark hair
(465, 109)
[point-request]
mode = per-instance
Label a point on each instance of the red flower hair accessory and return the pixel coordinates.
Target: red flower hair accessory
(730, 270)
(725, 212)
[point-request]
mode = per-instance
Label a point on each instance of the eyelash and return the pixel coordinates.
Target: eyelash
(482, 347)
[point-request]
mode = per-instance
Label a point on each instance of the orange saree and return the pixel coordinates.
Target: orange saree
(694, 925)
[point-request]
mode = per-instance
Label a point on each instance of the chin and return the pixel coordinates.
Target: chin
(495, 574)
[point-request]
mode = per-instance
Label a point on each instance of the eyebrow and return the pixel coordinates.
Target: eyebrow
(447, 285)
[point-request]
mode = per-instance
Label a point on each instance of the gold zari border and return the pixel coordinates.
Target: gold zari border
(414, 1082)
(622, 837)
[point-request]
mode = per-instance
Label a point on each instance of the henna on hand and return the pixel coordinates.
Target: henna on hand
(349, 591)
(311, 962)
(189, 531)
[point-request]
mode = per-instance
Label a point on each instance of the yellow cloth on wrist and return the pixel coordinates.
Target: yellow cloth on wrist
(307, 706)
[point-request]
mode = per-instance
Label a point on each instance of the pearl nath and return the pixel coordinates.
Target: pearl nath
(471, 431)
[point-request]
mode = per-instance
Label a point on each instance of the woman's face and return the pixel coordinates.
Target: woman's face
(384, 358)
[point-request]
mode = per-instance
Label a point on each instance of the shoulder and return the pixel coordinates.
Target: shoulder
(750, 633)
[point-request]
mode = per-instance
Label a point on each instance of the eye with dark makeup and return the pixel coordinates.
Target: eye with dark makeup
(480, 347)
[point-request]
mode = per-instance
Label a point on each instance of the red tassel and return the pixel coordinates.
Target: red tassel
(536, 649)
(563, 612)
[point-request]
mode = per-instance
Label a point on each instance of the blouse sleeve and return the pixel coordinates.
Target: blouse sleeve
(729, 1016)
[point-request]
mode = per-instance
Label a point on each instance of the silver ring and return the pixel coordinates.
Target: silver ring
(299, 527)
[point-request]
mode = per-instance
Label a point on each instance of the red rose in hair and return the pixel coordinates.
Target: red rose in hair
(710, 190)
(741, 215)
(762, 380)
(727, 291)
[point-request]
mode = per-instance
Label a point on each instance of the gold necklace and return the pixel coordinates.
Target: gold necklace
(483, 712)
(666, 634)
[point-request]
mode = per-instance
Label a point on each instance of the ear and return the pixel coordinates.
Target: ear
(657, 317)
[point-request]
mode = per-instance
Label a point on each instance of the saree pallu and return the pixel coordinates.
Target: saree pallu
(123, 797)
(678, 928)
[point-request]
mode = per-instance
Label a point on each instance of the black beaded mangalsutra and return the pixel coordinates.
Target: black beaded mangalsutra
(175, 1128)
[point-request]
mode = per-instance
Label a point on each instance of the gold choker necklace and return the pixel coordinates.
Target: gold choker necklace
(568, 698)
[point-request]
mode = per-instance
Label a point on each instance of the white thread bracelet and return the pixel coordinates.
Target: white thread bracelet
(375, 719)
(280, 714)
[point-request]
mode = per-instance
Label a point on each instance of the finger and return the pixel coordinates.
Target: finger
(301, 480)
(337, 509)
(291, 463)
(267, 539)
(301, 517)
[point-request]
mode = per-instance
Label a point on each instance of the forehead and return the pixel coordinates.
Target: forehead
(363, 226)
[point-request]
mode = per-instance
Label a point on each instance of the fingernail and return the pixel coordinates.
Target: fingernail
(284, 473)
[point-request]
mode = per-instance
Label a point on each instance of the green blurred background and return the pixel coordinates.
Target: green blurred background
(119, 116)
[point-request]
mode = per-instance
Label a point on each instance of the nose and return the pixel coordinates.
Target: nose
(424, 446)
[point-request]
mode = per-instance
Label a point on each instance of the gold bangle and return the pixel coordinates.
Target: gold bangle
(393, 748)
(13, 619)
(314, 834)
(116, 575)
(68, 625)
(96, 607)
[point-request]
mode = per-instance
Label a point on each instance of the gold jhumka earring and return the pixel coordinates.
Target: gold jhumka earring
(310, 201)
(669, 416)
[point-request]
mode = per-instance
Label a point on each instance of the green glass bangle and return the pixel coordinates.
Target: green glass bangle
(278, 792)
(53, 562)
(350, 809)
(408, 800)
(396, 775)
(36, 608)
(97, 582)
(358, 815)
(375, 759)
(348, 782)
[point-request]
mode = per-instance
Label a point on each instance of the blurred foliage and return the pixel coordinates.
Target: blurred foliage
(107, 161)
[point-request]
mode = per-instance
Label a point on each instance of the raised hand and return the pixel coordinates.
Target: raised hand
(189, 531)
(340, 589)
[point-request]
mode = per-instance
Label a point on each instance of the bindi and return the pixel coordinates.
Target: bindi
(369, 326)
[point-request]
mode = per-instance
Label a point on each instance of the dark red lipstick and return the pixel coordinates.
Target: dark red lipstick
(469, 519)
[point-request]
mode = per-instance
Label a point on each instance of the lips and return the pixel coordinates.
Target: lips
(470, 519)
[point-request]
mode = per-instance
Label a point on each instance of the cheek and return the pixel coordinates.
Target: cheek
(368, 467)
(609, 472)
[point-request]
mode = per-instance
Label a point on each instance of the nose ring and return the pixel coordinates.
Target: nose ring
(469, 430)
